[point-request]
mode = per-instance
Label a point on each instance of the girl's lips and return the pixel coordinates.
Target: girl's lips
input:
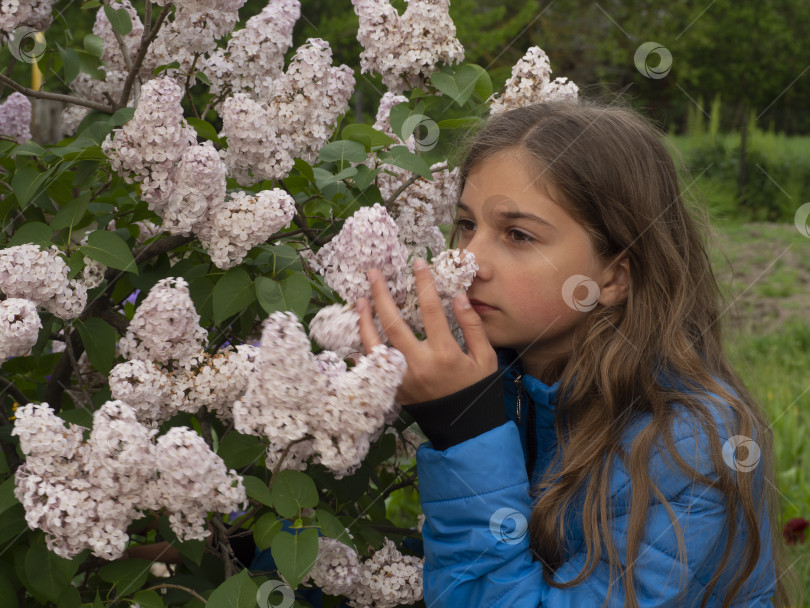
(480, 307)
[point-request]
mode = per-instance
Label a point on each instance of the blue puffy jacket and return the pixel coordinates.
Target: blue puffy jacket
(474, 487)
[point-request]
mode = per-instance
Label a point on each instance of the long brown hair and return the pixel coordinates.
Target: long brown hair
(618, 179)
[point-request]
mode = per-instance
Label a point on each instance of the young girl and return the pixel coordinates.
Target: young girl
(592, 446)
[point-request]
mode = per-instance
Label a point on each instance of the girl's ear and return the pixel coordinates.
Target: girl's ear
(616, 281)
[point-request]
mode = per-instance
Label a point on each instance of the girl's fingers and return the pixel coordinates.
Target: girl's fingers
(475, 336)
(434, 319)
(394, 326)
(368, 331)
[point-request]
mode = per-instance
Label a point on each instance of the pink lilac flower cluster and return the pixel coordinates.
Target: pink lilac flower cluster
(41, 275)
(168, 371)
(370, 239)
(185, 182)
(385, 580)
(254, 56)
(530, 83)
(33, 13)
(194, 30)
(406, 49)
(334, 416)
(84, 494)
(15, 117)
(19, 327)
(264, 135)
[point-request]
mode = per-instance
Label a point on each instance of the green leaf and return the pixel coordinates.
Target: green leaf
(331, 526)
(257, 490)
(12, 524)
(295, 554)
(148, 599)
(483, 85)
(293, 491)
(233, 293)
(343, 151)
(345, 174)
(292, 293)
(48, 574)
(201, 290)
(8, 596)
(7, 499)
(265, 529)
(365, 176)
(400, 156)
(204, 128)
(305, 169)
(119, 19)
(70, 598)
(238, 450)
(127, 575)
(99, 339)
(72, 213)
(367, 135)
(111, 250)
(191, 549)
(27, 183)
(459, 86)
(31, 148)
(32, 232)
(70, 63)
(122, 117)
(237, 592)
(399, 114)
(94, 45)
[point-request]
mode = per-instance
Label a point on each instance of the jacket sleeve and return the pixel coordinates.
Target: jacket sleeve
(475, 496)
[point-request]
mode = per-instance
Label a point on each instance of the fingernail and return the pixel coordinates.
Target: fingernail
(464, 300)
(372, 275)
(419, 264)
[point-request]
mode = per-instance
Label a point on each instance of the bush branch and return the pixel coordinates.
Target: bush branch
(146, 39)
(78, 101)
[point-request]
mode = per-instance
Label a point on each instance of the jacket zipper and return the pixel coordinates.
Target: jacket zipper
(519, 389)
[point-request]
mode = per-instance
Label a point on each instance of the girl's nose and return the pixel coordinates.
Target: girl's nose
(475, 246)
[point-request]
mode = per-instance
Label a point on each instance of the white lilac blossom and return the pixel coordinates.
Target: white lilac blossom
(165, 327)
(199, 186)
(368, 239)
(406, 49)
(530, 83)
(336, 568)
(150, 145)
(84, 495)
(13, 13)
(111, 55)
(309, 98)
(333, 416)
(92, 273)
(254, 57)
(254, 151)
(15, 117)
(19, 327)
(189, 493)
(388, 579)
(143, 386)
(41, 275)
(230, 230)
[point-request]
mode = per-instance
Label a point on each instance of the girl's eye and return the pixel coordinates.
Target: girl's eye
(519, 237)
(464, 224)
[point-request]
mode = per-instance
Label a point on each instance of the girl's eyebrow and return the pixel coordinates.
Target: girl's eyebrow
(514, 215)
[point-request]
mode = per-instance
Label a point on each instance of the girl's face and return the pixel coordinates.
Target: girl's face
(529, 251)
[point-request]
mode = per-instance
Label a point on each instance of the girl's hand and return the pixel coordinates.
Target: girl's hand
(436, 366)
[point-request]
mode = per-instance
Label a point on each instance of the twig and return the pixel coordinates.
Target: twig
(121, 43)
(406, 185)
(74, 362)
(9, 70)
(237, 523)
(188, 81)
(12, 390)
(146, 39)
(172, 586)
(224, 545)
(118, 321)
(93, 105)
